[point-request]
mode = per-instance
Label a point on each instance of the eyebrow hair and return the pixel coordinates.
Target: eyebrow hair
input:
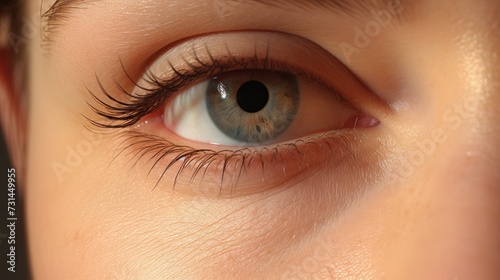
(57, 14)
(62, 9)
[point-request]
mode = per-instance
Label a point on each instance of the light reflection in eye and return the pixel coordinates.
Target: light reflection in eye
(222, 90)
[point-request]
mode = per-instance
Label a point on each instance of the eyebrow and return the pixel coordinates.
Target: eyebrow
(62, 9)
(57, 14)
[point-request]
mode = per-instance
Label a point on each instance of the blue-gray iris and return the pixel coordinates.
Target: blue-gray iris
(253, 106)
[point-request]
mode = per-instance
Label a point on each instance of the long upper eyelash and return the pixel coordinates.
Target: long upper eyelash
(119, 114)
(114, 113)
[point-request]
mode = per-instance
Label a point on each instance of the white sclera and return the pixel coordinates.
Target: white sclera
(187, 116)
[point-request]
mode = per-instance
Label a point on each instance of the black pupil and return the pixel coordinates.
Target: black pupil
(252, 96)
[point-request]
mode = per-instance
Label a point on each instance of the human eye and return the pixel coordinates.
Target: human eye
(238, 113)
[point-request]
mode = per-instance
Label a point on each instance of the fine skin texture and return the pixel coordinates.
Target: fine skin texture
(415, 197)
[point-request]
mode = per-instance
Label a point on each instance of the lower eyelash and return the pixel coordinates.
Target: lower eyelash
(227, 167)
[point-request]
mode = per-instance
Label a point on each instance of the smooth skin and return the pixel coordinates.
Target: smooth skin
(422, 200)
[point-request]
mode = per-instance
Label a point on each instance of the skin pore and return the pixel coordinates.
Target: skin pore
(405, 187)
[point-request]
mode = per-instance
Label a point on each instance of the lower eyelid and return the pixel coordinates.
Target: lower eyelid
(229, 173)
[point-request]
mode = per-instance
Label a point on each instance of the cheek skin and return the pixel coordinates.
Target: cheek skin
(119, 228)
(442, 223)
(126, 231)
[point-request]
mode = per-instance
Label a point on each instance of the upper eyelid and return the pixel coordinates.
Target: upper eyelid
(307, 56)
(304, 51)
(158, 93)
(128, 112)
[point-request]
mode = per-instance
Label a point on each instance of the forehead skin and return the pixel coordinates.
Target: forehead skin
(428, 207)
